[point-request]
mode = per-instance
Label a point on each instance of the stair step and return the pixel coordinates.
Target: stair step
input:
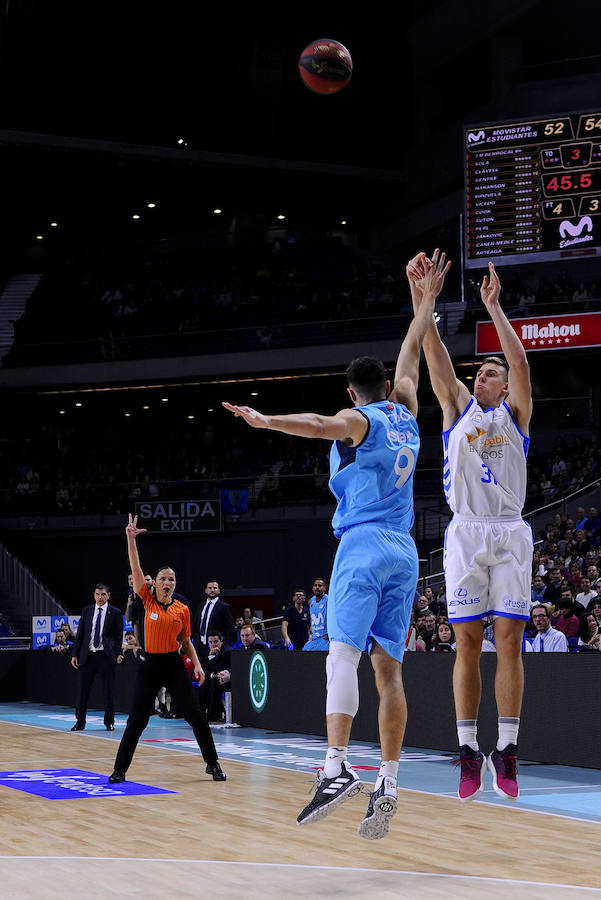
(13, 301)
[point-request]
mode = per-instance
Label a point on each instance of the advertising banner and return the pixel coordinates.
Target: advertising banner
(544, 333)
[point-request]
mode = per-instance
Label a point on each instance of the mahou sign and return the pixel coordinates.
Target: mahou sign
(544, 333)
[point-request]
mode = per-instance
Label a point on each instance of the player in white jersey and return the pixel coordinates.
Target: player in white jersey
(488, 547)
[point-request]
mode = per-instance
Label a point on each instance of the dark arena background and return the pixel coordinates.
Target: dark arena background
(184, 223)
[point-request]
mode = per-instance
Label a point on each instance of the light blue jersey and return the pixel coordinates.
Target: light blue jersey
(373, 483)
(319, 624)
(318, 610)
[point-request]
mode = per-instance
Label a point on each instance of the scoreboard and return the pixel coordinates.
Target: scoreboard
(533, 190)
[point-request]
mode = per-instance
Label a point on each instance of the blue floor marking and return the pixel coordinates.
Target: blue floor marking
(560, 790)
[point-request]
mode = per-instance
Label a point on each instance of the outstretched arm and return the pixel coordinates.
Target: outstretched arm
(520, 389)
(132, 531)
(348, 425)
(452, 394)
(406, 375)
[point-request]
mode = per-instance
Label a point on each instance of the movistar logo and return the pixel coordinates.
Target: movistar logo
(580, 232)
(475, 138)
(566, 228)
(257, 681)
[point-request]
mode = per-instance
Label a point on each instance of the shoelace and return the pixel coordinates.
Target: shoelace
(472, 765)
(510, 764)
(319, 777)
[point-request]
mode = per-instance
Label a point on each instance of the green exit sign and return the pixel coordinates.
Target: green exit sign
(169, 516)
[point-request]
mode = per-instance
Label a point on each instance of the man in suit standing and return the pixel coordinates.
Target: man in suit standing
(213, 615)
(95, 651)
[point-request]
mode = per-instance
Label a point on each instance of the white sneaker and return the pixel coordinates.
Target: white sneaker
(380, 810)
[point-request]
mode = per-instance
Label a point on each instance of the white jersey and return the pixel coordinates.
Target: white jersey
(484, 471)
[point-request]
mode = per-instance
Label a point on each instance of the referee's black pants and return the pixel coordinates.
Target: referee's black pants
(163, 670)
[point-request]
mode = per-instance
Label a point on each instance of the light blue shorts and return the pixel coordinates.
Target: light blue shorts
(317, 644)
(372, 589)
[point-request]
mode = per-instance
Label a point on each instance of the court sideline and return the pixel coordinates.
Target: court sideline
(242, 836)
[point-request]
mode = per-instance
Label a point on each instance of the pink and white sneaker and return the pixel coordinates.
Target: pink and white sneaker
(473, 767)
(504, 767)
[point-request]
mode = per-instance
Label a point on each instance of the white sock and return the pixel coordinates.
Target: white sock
(335, 756)
(467, 731)
(388, 769)
(508, 732)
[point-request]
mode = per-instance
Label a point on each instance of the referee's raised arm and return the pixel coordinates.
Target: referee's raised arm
(132, 531)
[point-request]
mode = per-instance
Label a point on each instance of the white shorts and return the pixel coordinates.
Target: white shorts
(488, 568)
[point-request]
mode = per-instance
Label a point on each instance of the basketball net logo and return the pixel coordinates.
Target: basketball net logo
(576, 231)
(475, 138)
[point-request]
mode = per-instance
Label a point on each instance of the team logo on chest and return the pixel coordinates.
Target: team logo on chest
(474, 437)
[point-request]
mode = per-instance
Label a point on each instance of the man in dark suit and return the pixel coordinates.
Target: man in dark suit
(213, 615)
(249, 639)
(95, 651)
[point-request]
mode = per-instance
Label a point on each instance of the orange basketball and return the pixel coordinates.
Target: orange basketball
(325, 66)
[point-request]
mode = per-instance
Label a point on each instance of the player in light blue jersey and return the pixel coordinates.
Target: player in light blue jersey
(318, 607)
(375, 571)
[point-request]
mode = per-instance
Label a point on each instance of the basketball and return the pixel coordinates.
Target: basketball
(325, 66)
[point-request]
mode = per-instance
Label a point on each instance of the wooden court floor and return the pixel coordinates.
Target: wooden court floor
(239, 839)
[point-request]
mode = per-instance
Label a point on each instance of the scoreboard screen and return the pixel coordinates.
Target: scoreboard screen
(533, 190)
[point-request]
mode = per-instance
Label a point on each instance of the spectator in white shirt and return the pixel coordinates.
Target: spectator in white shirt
(548, 640)
(587, 594)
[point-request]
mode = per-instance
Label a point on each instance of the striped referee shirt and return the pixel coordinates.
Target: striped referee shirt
(163, 625)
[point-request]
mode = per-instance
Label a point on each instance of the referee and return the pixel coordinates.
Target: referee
(166, 625)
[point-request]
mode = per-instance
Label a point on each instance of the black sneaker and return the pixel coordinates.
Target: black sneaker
(380, 810)
(216, 771)
(117, 777)
(330, 793)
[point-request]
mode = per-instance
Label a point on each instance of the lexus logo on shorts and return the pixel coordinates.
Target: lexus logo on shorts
(575, 234)
(460, 593)
(257, 681)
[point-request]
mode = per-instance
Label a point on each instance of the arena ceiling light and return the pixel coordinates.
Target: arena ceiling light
(187, 384)
(151, 205)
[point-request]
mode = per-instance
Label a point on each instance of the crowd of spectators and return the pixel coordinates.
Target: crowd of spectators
(565, 600)
(68, 469)
(264, 293)
(72, 470)
(527, 294)
(567, 467)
